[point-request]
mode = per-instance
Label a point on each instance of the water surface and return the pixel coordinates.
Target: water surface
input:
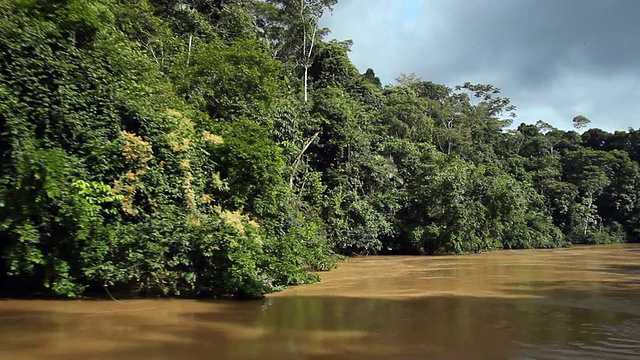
(582, 303)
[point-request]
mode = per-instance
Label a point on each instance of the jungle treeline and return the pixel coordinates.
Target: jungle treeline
(225, 147)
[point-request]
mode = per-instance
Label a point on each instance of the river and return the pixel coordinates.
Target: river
(582, 302)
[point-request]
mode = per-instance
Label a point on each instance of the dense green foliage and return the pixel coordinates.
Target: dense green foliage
(211, 147)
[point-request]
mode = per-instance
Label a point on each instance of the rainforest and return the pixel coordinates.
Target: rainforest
(207, 148)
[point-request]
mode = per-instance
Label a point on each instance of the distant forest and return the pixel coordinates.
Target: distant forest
(224, 147)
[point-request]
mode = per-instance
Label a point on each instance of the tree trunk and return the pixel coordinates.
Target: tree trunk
(306, 87)
(189, 51)
(304, 148)
(587, 216)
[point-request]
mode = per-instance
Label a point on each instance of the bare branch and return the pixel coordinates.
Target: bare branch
(299, 158)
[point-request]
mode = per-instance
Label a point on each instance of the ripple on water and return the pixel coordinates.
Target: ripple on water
(618, 342)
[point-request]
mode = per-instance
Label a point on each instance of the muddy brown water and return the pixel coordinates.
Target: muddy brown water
(578, 303)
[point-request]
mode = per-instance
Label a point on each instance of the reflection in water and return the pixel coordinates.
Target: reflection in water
(543, 304)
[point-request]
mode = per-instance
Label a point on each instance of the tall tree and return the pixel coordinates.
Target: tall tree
(292, 29)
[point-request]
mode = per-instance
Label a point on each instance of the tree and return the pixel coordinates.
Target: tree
(591, 172)
(580, 122)
(406, 115)
(596, 139)
(371, 77)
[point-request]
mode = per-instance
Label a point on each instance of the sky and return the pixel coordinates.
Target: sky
(554, 59)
